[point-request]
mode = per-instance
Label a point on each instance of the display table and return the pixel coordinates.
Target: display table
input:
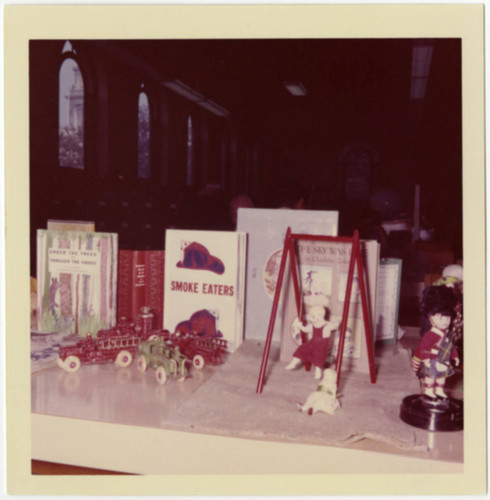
(123, 420)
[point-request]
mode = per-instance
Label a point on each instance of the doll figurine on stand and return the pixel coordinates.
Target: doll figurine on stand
(314, 350)
(433, 361)
(434, 357)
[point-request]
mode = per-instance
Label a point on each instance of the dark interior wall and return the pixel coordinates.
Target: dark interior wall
(416, 142)
(108, 189)
(44, 61)
(303, 148)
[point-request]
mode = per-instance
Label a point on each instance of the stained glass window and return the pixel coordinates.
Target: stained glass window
(144, 166)
(71, 115)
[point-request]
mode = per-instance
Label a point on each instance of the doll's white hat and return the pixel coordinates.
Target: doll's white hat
(454, 271)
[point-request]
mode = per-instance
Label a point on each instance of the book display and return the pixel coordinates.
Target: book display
(228, 233)
(180, 335)
(205, 284)
(140, 278)
(76, 281)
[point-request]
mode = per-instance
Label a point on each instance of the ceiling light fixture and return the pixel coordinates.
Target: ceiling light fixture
(421, 61)
(194, 96)
(296, 88)
(175, 85)
(184, 90)
(213, 107)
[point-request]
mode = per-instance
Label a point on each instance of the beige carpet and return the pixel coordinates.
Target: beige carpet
(227, 404)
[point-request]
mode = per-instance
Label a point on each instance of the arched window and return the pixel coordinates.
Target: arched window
(71, 112)
(144, 164)
(190, 152)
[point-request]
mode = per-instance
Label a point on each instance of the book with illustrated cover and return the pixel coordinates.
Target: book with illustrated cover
(266, 230)
(140, 284)
(76, 281)
(205, 283)
(323, 270)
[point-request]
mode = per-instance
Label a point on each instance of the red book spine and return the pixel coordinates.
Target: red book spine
(131, 284)
(140, 283)
(124, 278)
(154, 292)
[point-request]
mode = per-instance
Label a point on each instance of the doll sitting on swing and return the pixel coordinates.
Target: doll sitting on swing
(436, 354)
(314, 350)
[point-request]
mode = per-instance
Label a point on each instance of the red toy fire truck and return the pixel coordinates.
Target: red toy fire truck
(114, 345)
(201, 350)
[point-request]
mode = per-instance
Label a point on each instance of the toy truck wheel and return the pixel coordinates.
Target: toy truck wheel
(142, 364)
(161, 375)
(72, 364)
(198, 362)
(124, 358)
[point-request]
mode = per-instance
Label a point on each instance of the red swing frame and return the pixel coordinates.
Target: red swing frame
(355, 258)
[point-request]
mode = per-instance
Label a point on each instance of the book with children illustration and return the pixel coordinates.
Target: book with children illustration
(205, 283)
(266, 230)
(323, 271)
(76, 281)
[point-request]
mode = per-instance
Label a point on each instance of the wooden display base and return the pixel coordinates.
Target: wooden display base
(432, 414)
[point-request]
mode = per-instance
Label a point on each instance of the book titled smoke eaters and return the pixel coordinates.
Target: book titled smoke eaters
(140, 284)
(205, 283)
(76, 278)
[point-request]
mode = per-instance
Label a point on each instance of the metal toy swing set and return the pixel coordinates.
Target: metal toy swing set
(355, 259)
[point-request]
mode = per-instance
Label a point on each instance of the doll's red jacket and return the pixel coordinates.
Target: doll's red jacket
(429, 346)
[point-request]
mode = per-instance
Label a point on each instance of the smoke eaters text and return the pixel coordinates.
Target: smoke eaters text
(205, 288)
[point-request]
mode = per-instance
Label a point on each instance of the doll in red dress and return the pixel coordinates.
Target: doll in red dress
(315, 350)
(434, 358)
